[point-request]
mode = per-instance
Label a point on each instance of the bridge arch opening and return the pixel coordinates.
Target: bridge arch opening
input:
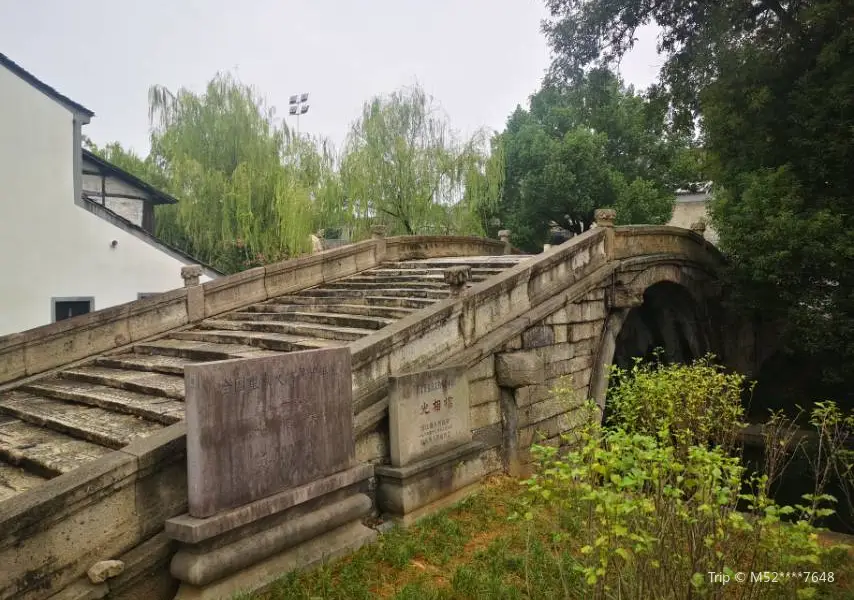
(669, 319)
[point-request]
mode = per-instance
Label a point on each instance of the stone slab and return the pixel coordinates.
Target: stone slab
(405, 490)
(338, 542)
(192, 530)
(428, 413)
(435, 506)
(204, 567)
(258, 426)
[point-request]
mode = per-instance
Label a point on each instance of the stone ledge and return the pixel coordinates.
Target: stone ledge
(426, 464)
(333, 544)
(405, 490)
(202, 568)
(192, 530)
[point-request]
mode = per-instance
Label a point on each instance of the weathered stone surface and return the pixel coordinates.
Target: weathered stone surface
(104, 570)
(83, 590)
(538, 336)
(483, 391)
(583, 331)
(428, 413)
(202, 568)
(518, 369)
(585, 311)
(457, 275)
(485, 415)
(484, 369)
(532, 393)
(326, 547)
(191, 530)
(406, 489)
(621, 296)
(256, 427)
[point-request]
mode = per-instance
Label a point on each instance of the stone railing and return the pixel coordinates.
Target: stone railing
(432, 335)
(494, 311)
(646, 240)
(65, 342)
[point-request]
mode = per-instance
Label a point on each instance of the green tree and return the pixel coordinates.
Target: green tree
(586, 144)
(249, 192)
(773, 86)
(403, 166)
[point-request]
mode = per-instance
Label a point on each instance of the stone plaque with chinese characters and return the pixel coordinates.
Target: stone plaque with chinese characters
(428, 414)
(258, 426)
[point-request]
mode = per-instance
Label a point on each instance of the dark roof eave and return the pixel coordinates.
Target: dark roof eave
(43, 87)
(159, 197)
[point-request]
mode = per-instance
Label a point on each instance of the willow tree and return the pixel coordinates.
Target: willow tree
(247, 189)
(404, 167)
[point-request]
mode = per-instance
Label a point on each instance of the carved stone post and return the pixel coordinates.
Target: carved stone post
(195, 293)
(457, 277)
(547, 247)
(504, 236)
(190, 274)
(699, 227)
(378, 233)
(605, 217)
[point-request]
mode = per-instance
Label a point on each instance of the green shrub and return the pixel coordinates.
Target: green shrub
(697, 404)
(659, 500)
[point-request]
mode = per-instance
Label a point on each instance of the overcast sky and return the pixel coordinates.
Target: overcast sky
(478, 58)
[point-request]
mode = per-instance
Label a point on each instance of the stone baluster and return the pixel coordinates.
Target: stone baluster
(457, 277)
(604, 217)
(504, 236)
(190, 274)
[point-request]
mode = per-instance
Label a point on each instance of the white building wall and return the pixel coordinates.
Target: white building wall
(49, 246)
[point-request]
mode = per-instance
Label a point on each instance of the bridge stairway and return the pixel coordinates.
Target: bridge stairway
(58, 422)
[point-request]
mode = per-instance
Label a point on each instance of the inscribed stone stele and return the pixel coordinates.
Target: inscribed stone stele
(428, 413)
(258, 426)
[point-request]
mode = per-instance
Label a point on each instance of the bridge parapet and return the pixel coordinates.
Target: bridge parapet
(65, 342)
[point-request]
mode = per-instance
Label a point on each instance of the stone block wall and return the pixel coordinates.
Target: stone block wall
(565, 343)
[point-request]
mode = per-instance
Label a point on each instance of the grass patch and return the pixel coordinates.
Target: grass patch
(469, 551)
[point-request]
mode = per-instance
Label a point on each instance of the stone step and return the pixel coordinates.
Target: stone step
(328, 332)
(157, 384)
(203, 351)
(322, 318)
(93, 424)
(44, 452)
(154, 408)
(386, 293)
(264, 343)
(373, 300)
(418, 272)
(474, 262)
(14, 480)
(383, 312)
(403, 280)
(154, 363)
(419, 284)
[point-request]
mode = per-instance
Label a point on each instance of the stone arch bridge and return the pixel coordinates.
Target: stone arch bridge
(92, 439)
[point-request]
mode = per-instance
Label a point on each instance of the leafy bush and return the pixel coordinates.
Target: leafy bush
(656, 502)
(697, 404)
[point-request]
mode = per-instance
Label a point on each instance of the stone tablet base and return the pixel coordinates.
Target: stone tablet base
(406, 494)
(248, 547)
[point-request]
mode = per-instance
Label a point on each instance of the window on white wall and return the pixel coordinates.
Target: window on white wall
(65, 308)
